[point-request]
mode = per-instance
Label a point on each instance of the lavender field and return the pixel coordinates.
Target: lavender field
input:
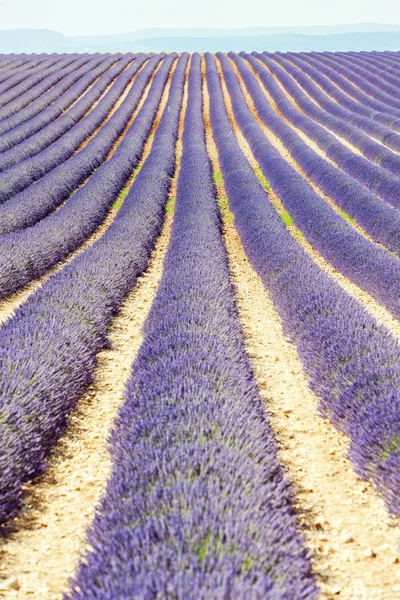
(199, 326)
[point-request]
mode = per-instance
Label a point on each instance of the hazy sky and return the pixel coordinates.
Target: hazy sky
(75, 17)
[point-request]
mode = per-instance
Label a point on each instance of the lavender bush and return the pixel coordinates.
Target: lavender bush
(48, 348)
(197, 506)
(353, 364)
(27, 254)
(74, 83)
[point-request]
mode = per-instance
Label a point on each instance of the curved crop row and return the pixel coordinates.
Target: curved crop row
(28, 254)
(15, 113)
(22, 175)
(380, 220)
(346, 124)
(37, 83)
(69, 89)
(36, 70)
(19, 100)
(82, 112)
(372, 268)
(355, 68)
(384, 126)
(11, 62)
(371, 176)
(353, 364)
(372, 65)
(32, 204)
(387, 57)
(378, 84)
(23, 65)
(197, 506)
(375, 90)
(307, 60)
(358, 102)
(48, 348)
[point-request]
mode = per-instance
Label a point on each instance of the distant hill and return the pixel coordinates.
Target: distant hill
(278, 42)
(362, 36)
(32, 40)
(157, 33)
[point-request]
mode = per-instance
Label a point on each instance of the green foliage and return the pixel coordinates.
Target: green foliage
(201, 552)
(286, 218)
(298, 235)
(217, 178)
(346, 217)
(264, 182)
(246, 563)
(222, 202)
(116, 204)
(170, 206)
(123, 193)
(390, 446)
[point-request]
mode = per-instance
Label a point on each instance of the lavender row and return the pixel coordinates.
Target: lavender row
(359, 77)
(347, 86)
(346, 124)
(20, 99)
(371, 110)
(370, 175)
(21, 176)
(36, 70)
(197, 506)
(352, 97)
(82, 112)
(48, 348)
(392, 57)
(380, 220)
(18, 60)
(24, 66)
(389, 58)
(358, 88)
(16, 112)
(12, 62)
(378, 80)
(372, 65)
(363, 78)
(78, 77)
(370, 267)
(381, 66)
(37, 83)
(35, 202)
(28, 254)
(352, 363)
(344, 120)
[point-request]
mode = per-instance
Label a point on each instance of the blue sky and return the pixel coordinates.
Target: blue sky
(76, 17)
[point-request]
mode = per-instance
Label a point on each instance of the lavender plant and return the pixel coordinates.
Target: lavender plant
(352, 363)
(48, 348)
(197, 506)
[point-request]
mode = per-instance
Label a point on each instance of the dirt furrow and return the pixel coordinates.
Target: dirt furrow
(11, 303)
(275, 141)
(118, 104)
(353, 541)
(370, 304)
(46, 540)
(92, 85)
(342, 140)
(44, 543)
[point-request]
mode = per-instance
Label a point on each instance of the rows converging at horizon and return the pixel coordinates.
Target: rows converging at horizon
(199, 325)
